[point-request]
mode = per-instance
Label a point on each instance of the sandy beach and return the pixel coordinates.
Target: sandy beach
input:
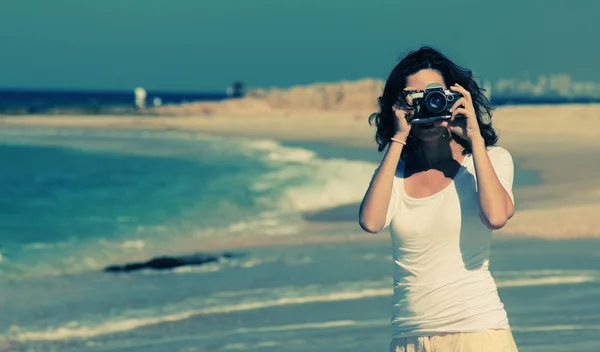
(559, 142)
(139, 187)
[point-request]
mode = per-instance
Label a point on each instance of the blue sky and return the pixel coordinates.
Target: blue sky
(200, 45)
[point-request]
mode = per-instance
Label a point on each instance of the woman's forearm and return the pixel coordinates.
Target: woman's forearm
(374, 206)
(495, 205)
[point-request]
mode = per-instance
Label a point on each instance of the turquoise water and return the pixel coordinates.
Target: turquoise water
(74, 201)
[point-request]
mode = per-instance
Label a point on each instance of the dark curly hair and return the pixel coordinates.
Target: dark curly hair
(429, 58)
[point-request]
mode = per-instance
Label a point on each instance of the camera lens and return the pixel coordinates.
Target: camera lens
(435, 102)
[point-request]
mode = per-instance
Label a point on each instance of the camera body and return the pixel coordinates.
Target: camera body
(433, 104)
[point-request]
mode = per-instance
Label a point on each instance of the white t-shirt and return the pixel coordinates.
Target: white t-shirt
(441, 254)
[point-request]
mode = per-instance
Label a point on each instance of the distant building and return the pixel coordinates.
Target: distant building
(549, 85)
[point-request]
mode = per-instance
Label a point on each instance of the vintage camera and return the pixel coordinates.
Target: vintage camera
(433, 104)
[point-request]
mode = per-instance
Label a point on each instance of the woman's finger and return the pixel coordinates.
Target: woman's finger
(407, 109)
(402, 114)
(460, 102)
(465, 93)
(459, 111)
(398, 110)
(408, 98)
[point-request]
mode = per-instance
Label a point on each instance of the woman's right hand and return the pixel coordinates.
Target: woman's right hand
(402, 115)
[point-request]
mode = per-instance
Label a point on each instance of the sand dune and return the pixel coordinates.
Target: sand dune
(352, 97)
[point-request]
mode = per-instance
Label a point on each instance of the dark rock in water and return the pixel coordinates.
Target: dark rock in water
(168, 262)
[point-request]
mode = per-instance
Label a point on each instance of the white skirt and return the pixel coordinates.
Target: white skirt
(481, 341)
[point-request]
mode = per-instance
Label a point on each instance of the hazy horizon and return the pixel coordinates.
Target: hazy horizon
(204, 46)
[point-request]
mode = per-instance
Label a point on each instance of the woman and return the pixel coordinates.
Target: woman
(442, 188)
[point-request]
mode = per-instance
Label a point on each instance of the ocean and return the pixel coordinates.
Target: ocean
(35, 101)
(81, 199)
(76, 201)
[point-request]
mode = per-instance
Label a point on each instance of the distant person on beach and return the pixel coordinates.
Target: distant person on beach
(442, 188)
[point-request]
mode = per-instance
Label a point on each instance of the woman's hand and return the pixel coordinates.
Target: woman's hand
(466, 125)
(402, 115)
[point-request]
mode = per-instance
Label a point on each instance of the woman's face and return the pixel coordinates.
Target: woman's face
(419, 81)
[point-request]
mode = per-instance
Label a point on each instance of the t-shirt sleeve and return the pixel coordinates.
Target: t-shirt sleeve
(504, 166)
(393, 205)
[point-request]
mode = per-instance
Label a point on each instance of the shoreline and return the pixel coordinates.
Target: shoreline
(563, 205)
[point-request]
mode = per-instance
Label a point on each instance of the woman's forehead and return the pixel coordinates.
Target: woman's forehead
(419, 80)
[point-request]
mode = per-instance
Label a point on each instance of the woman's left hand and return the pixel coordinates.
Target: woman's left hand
(464, 120)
